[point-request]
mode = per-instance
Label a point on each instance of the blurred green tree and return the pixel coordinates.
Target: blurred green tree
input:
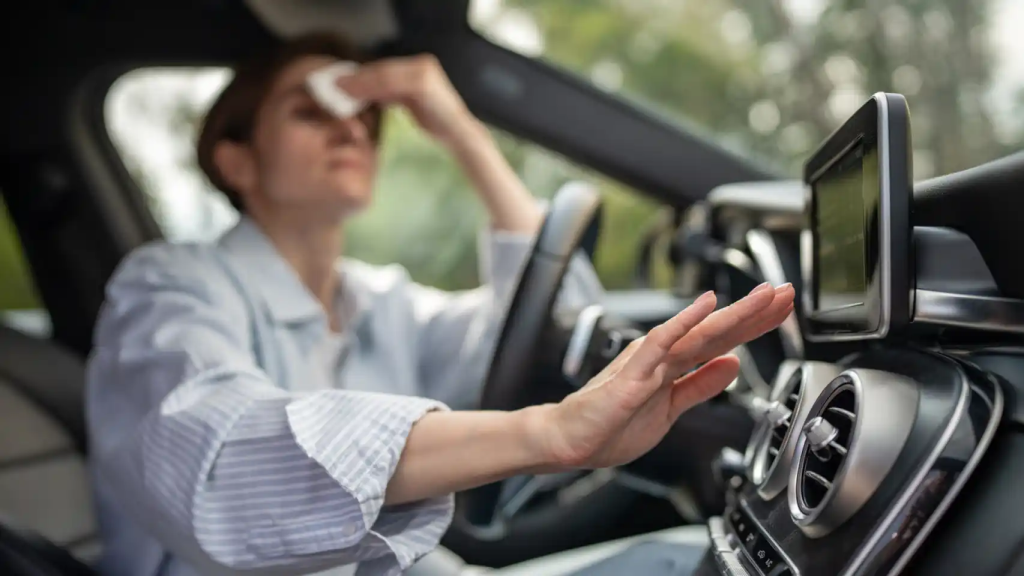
(16, 289)
(772, 78)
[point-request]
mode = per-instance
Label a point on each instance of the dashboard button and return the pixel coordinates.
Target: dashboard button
(750, 541)
(735, 516)
(764, 556)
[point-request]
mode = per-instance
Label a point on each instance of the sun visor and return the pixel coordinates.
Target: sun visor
(364, 22)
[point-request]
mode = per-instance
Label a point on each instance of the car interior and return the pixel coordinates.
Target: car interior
(877, 431)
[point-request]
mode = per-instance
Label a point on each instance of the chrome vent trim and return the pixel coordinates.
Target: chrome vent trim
(773, 442)
(852, 436)
(784, 413)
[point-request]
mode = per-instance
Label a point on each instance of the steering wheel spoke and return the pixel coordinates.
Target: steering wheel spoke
(511, 383)
(596, 340)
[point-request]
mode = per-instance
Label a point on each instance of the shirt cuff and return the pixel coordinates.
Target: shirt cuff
(358, 438)
(408, 532)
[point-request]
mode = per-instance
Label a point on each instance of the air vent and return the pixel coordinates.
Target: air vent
(829, 437)
(853, 435)
(782, 419)
(783, 422)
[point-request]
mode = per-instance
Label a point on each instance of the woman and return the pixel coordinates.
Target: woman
(261, 404)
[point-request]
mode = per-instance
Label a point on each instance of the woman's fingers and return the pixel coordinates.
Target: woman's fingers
(723, 325)
(655, 346)
(700, 332)
(702, 384)
(391, 79)
(756, 326)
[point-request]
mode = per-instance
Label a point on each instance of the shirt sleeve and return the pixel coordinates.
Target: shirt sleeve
(459, 330)
(227, 468)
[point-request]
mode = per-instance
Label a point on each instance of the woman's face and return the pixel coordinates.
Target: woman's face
(303, 159)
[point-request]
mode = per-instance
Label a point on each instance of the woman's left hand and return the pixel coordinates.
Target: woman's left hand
(419, 84)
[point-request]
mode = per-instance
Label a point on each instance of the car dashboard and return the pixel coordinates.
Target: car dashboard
(888, 441)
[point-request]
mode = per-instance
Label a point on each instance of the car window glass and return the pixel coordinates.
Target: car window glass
(424, 214)
(20, 306)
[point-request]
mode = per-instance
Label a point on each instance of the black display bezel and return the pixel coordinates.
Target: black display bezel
(882, 122)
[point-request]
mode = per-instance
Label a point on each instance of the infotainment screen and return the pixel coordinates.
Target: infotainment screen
(841, 258)
(858, 226)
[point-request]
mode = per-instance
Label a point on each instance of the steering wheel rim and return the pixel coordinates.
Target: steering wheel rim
(569, 216)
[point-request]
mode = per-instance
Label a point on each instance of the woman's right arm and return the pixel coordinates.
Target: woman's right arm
(204, 450)
(224, 465)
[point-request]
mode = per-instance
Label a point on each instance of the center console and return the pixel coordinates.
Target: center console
(855, 461)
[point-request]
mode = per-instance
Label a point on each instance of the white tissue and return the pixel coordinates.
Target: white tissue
(323, 86)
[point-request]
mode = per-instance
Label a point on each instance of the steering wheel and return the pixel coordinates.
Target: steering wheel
(530, 312)
(524, 516)
(485, 512)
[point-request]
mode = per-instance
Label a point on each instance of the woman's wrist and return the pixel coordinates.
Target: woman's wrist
(449, 452)
(535, 432)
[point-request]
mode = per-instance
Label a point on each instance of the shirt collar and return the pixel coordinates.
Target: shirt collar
(286, 297)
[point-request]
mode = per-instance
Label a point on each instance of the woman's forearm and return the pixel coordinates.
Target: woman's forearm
(449, 452)
(510, 204)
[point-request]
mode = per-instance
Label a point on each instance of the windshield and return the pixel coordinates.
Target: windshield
(770, 79)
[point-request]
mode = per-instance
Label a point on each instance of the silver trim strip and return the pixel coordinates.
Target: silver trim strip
(904, 499)
(766, 256)
(726, 559)
(582, 333)
(779, 196)
(990, 313)
(984, 442)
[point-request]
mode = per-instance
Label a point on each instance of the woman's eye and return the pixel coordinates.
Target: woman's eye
(311, 113)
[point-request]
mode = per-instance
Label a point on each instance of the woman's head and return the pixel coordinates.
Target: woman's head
(275, 152)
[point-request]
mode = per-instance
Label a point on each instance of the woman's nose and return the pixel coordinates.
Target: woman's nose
(351, 129)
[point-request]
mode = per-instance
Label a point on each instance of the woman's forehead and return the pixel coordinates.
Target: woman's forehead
(293, 76)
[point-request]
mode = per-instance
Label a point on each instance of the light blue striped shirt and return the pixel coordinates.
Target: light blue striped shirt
(230, 428)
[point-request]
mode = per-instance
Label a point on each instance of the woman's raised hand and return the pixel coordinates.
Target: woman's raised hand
(419, 84)
(628, 408)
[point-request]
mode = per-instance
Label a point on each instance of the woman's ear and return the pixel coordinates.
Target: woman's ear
(236, 166)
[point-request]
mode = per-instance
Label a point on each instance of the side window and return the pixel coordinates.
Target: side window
(424, 214)
(20, 307)
(152, 117)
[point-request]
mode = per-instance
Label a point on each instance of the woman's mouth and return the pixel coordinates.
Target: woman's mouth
(346, 163)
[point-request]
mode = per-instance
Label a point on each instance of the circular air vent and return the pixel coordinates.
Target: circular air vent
(828, 440)
(776, 421)
(852, 436)
(781, 420)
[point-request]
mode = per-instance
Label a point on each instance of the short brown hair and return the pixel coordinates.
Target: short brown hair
(233, 114)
